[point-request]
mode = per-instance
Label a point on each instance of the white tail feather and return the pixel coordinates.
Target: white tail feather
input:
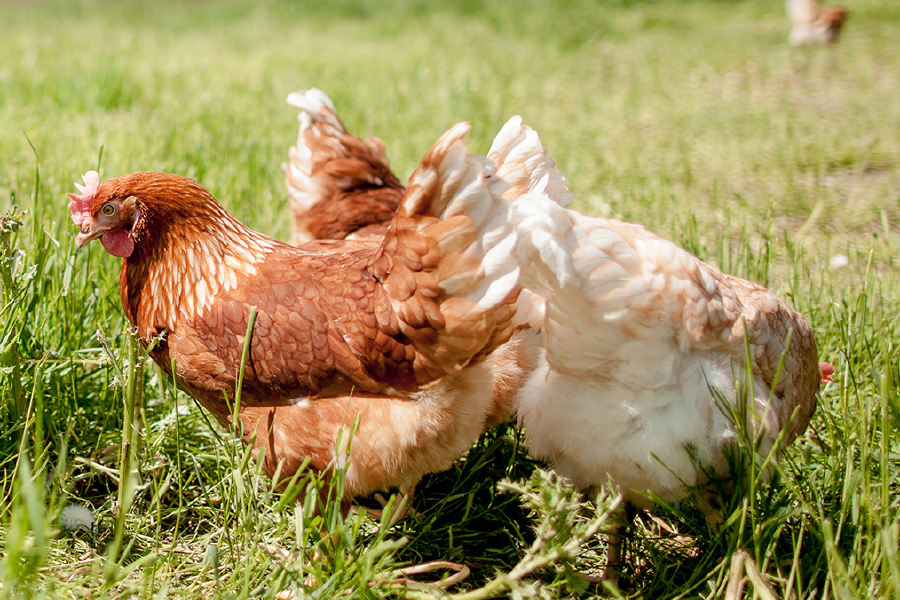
(314, 105)
(523, 162)
(303, 188)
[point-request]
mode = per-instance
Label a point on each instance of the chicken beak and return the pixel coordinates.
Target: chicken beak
(86, 235)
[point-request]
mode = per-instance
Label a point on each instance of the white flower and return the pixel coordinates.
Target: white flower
(74, 517)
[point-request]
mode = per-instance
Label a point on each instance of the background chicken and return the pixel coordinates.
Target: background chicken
(398, 333)
(338, 184)
(326, 149)
(338, 176)
(327, 159)
(813, 23)
(637, 335)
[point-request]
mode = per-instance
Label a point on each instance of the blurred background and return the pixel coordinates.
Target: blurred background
(647, 106)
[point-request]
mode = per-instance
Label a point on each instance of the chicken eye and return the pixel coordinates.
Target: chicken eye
(108, 209)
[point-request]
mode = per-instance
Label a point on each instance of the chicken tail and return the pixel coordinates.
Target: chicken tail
(447, 261)
(523, 162)
(337, 182)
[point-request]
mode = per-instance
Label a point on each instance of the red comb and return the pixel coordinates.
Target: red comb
(80, 206)
(827, 371)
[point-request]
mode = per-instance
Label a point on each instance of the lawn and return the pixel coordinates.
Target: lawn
(693, 118)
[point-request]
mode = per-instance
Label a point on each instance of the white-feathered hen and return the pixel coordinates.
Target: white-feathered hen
(637, 333)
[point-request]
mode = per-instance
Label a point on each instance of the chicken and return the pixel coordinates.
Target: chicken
(327, 160)
(338, 184)
(813, 23)
(402, 334)
(324, 148)
(639, 338)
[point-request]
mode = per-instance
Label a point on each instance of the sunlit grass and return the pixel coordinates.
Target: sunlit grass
(694, 118)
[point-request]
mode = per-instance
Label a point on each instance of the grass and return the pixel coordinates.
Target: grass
(694, 118)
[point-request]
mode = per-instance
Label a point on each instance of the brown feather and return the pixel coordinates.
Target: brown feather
(338, 183)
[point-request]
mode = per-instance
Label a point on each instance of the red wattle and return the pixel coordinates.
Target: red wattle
(827, 371)
(118, 243)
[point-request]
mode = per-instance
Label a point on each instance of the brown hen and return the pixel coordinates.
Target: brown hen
(399, 333)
